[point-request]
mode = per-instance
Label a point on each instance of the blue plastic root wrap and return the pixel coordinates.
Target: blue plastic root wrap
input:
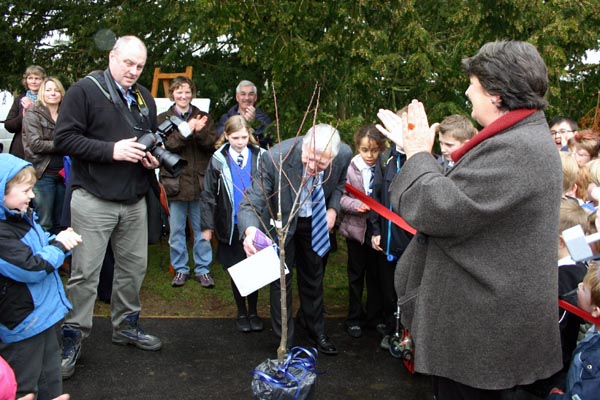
(291, 379)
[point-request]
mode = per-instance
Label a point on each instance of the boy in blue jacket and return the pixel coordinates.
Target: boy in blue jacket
(32, 298)
(583, 378)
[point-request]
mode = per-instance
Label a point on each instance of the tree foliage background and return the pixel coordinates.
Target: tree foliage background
(363, 55)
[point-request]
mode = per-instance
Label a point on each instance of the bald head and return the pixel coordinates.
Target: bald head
(127, 60)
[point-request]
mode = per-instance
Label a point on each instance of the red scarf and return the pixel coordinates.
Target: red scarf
(506, 121)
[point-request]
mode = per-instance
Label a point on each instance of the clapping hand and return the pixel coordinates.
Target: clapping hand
(411, 132)
(198, 123)
(393, 125)
(68, 238)
(26, 104)
(249, 113)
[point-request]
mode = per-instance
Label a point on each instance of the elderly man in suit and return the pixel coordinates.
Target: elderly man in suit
(312, 178)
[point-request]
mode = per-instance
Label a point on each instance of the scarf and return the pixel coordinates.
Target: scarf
(506, 121)
(31, 95)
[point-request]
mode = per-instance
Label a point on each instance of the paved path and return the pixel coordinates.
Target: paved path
(209, 359)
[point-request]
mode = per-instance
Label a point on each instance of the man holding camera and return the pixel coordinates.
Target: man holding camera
(99, 123)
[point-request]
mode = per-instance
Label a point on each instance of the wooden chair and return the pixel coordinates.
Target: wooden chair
(166, 77)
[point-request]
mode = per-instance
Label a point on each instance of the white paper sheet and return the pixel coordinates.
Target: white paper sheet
(256, 271)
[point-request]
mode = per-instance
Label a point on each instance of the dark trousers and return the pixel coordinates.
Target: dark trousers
(36, 364)
(309, 267)
(229, 255)
(362, 264)
(381, 307)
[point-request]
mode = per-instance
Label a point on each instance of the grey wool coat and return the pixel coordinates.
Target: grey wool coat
(478, 284)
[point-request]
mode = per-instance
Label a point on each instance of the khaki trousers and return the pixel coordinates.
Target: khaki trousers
(97, 221)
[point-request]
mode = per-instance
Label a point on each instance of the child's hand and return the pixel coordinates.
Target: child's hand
(207, 234)
(556, 391)
(376, 242)
(68, 238)
(362, 208)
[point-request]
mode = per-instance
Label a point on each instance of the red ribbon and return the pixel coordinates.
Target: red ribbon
(399, 221)
(578, 311)
(380, 209)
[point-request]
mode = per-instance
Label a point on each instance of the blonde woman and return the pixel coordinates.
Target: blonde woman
(38, 143)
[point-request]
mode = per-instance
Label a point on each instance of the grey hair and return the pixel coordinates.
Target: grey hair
(323, 137)
(245, 83)
(513, 70)
(126, 40)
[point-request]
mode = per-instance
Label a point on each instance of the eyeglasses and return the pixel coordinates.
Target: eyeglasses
(561, 132)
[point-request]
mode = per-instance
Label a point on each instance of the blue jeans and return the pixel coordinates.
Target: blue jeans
(49, 193)
(179, 253)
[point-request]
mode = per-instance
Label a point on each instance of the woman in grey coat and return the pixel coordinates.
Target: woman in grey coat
(478, 284)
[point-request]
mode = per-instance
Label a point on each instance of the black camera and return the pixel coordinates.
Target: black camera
(154, 144)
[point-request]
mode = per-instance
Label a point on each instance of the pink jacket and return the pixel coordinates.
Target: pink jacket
(354, 224)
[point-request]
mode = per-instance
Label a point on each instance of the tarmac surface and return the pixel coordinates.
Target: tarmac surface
(208, 359)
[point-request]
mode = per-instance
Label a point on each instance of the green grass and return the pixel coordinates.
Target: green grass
(192, 300)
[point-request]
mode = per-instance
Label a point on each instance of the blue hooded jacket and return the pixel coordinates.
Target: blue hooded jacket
(32, 297)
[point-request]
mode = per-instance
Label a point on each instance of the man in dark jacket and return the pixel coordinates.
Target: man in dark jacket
(246, 96)
(98, 126)
(317, 162)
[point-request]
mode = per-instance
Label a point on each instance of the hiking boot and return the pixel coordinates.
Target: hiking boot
(71, 351)
(179, 279)
(129, 332)
(206, 281)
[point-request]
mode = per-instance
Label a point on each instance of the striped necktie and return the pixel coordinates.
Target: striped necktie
(371, 180)
(320, 232)
(240, 160)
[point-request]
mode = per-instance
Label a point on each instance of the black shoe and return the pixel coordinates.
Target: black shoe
(354, 331)
(381, 328)
(256, 324)
(325, 345)
(242, 324)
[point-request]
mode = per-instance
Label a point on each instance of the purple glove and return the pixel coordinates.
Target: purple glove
(261, 241)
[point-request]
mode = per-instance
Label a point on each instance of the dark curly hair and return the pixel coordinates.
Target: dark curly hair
(513, 70)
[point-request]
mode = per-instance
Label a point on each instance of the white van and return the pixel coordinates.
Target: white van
(6, 101)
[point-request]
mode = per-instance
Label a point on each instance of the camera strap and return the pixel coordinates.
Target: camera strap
(112, 94)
